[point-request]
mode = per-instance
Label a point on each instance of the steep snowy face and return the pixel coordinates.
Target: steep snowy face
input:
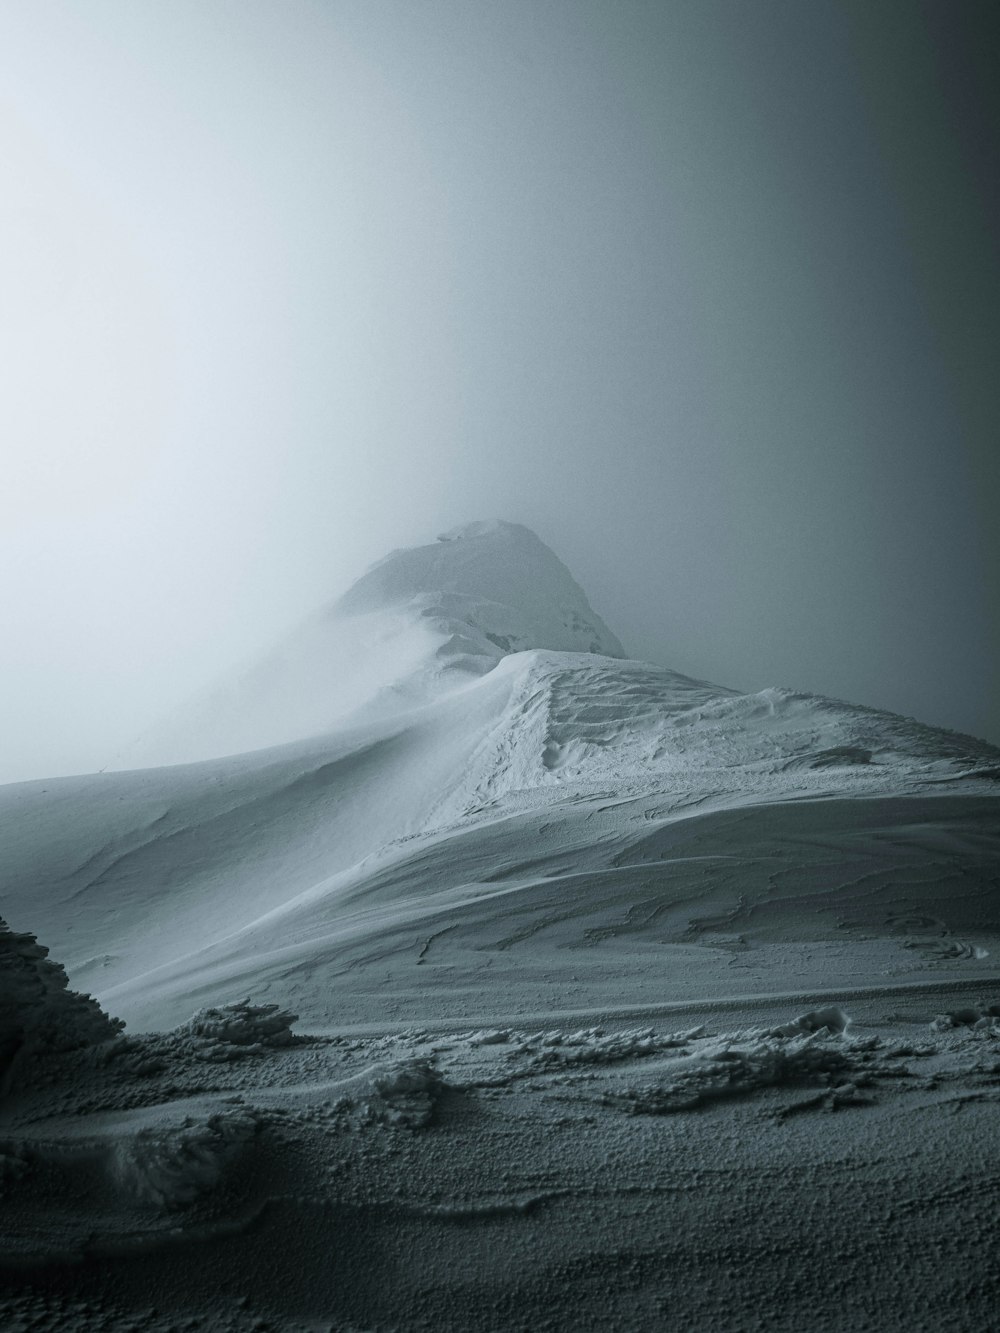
(495, 587)
(417, 625)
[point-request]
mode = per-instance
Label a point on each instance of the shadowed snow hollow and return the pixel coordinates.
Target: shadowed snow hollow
(419, 623)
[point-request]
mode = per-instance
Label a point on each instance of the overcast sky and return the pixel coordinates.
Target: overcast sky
(704, 291)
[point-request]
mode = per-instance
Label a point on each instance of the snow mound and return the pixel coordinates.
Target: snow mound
(244, 1025)
(172, 1167)
(404, 1094)
(38, 1011)
(832, 1020)
(592, 1046)
(724, 1069)
(489, 1037)
(981, 1017)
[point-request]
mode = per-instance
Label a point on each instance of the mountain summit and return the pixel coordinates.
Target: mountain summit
(420, 622)
(493, 586)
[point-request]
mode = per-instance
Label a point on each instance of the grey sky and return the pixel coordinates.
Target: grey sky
(704, 292)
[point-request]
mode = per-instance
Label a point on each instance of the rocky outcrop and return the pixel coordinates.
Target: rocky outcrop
(38, 1011)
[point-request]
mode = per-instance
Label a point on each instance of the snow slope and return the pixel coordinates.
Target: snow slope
(628, 803)
(514, 838)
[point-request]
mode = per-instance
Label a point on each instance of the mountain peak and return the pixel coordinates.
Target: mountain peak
(490, 527)
(488, 585)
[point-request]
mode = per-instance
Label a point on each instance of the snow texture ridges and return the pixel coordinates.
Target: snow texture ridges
(242, 1024)
(169, 1168)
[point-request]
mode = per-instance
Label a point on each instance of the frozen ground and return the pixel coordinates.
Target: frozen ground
(685, 1174)
(547, 916)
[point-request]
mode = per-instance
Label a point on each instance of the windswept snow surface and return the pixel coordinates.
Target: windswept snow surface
(591, 956)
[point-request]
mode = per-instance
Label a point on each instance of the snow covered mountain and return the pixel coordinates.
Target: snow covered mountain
(503, 763)
(490, 851)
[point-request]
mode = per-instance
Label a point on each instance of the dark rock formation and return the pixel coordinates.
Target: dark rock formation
(38, 1011)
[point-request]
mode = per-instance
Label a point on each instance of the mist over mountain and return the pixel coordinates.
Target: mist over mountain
(415, 933)
(475, 850)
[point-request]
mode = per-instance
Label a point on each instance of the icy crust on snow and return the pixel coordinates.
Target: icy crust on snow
(152, 1124)
(243, 1025)
(451, 1154)
(38, 1011)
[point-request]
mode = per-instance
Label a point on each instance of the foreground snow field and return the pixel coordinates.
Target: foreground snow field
(628, 1000)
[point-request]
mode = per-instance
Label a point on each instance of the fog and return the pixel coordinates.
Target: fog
(706, 294)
